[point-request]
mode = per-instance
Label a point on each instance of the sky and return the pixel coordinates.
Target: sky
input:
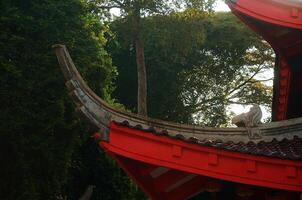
(221, 6)
(238, 109)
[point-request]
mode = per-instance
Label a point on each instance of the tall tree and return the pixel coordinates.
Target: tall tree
(133, 11)
(225, 71)
(40, 135)
(200, 63)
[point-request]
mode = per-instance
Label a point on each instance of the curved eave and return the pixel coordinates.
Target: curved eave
(208, 152)
(204, 161)
(286, 13)
(279, 22)
(100, 114)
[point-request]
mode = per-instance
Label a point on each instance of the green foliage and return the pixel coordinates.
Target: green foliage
(205, 5)
(225, 70)
(40, 135)
(94, 167)
(197, 65)
(133, 11)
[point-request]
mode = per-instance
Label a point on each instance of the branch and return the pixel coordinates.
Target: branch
(195, 106)
(108, 7)
(239, 103)
(262, 80)
(247, 81)
(88, 193)
(119, 3)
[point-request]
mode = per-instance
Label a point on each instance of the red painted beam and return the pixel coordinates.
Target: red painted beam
(163, 182)
(280, 23)
(146, 169)
(204, 161)
(283, 92)
(278, 12)
(281, 195)
(188, 189)
(293, 38)
(131, 168)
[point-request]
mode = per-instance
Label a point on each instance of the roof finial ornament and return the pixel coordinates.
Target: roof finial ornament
(251, 120)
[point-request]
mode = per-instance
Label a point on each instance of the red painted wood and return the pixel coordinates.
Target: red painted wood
(132, 147)
(272, 11)
(281, 195)
(213, 186)
(164, 181)
(146, 169)
(131, 168)
(284, 85)
(231, 166)
(245, 191)
(188, 189)
(280, 23)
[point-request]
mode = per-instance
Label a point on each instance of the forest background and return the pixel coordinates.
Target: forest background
(198, 63)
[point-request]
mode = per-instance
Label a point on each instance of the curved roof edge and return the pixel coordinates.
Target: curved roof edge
(101, 115)
(279, 12)
(203, 160)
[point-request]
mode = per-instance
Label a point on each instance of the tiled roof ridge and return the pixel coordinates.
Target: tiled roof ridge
(285, 149)
(100, 114)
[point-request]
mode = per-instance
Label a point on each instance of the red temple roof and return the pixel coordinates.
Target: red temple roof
(176, 161)
(280, 23)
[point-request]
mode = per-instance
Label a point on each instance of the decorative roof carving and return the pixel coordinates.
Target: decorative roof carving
(100, 114)
(249, 119)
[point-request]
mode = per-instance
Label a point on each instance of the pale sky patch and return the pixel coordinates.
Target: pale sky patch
(221, 6)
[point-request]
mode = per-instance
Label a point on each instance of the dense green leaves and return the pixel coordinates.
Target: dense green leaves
(198, 64)
(229, 60)
(39, 133)
(132, 12)
(151, 7)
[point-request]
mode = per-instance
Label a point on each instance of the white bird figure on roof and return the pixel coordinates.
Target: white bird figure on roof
(249, 119)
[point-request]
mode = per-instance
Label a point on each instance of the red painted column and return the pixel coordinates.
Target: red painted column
(284, 85)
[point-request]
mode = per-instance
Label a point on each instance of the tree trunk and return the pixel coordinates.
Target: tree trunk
(141, 71)
(88, 193)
